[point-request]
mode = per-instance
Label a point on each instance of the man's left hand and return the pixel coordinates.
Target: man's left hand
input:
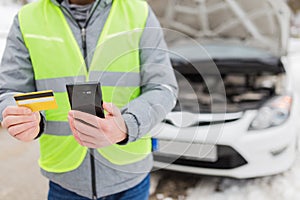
(94, 132)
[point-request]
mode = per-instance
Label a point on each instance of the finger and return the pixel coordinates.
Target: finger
(12, 120)
(90, 145)
(111, 109)
(37, 115)
(74, 131)
(15, 110)
(20, 128)
(27, 135)
(77, 139)
(71, 123)
(85, 117)
(86, 129)
(86, 139)
(91, 142)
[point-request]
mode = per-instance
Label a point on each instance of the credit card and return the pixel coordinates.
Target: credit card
(36, 101)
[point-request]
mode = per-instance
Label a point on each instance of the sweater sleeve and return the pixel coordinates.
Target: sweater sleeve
(16, 73)
(158, 85)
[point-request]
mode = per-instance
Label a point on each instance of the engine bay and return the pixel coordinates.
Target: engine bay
(229, 92)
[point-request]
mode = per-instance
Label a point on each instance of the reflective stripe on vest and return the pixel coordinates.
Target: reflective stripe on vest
(57, 60)
(116, 79)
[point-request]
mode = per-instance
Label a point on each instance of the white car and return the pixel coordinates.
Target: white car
(235, 113)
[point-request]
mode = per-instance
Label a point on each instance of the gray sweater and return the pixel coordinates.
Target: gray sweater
(159, 91)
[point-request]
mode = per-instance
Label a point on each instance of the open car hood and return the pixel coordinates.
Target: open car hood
(262, 24)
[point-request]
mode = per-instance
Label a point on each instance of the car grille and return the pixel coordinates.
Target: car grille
(228, 158)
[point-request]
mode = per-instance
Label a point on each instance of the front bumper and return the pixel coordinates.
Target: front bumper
(241, 153)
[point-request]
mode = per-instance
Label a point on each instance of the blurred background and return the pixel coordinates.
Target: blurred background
(19, 171)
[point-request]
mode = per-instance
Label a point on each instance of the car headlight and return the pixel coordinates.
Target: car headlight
(273, 113)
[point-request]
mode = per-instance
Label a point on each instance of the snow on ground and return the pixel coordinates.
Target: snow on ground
(174, 185)
(19, 171)
(284, 186)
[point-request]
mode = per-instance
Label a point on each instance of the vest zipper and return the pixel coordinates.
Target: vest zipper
(83, 39)
(92, 158)
(93, 174)
(82, 28)
(84, 48)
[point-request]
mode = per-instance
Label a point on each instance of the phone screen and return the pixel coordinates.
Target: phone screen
(86, 97)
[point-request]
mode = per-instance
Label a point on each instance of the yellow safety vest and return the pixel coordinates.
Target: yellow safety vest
(57, 61)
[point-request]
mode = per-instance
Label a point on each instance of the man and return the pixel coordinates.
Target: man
(119, 43)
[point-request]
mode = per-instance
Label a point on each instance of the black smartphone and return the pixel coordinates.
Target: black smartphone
(86, 97)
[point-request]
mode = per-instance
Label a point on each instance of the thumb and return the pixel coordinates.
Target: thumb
(38, 116)
(111, 109)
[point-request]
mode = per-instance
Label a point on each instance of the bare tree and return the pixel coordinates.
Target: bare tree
(23, 2)
(294, 4)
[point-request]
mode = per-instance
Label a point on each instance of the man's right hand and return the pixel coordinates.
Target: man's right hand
(21, 122)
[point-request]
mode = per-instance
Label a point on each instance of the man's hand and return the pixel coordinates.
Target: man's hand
(95, 132)
(21, 122)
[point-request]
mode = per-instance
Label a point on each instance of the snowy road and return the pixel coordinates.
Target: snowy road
(20, 178)
(284, 186)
